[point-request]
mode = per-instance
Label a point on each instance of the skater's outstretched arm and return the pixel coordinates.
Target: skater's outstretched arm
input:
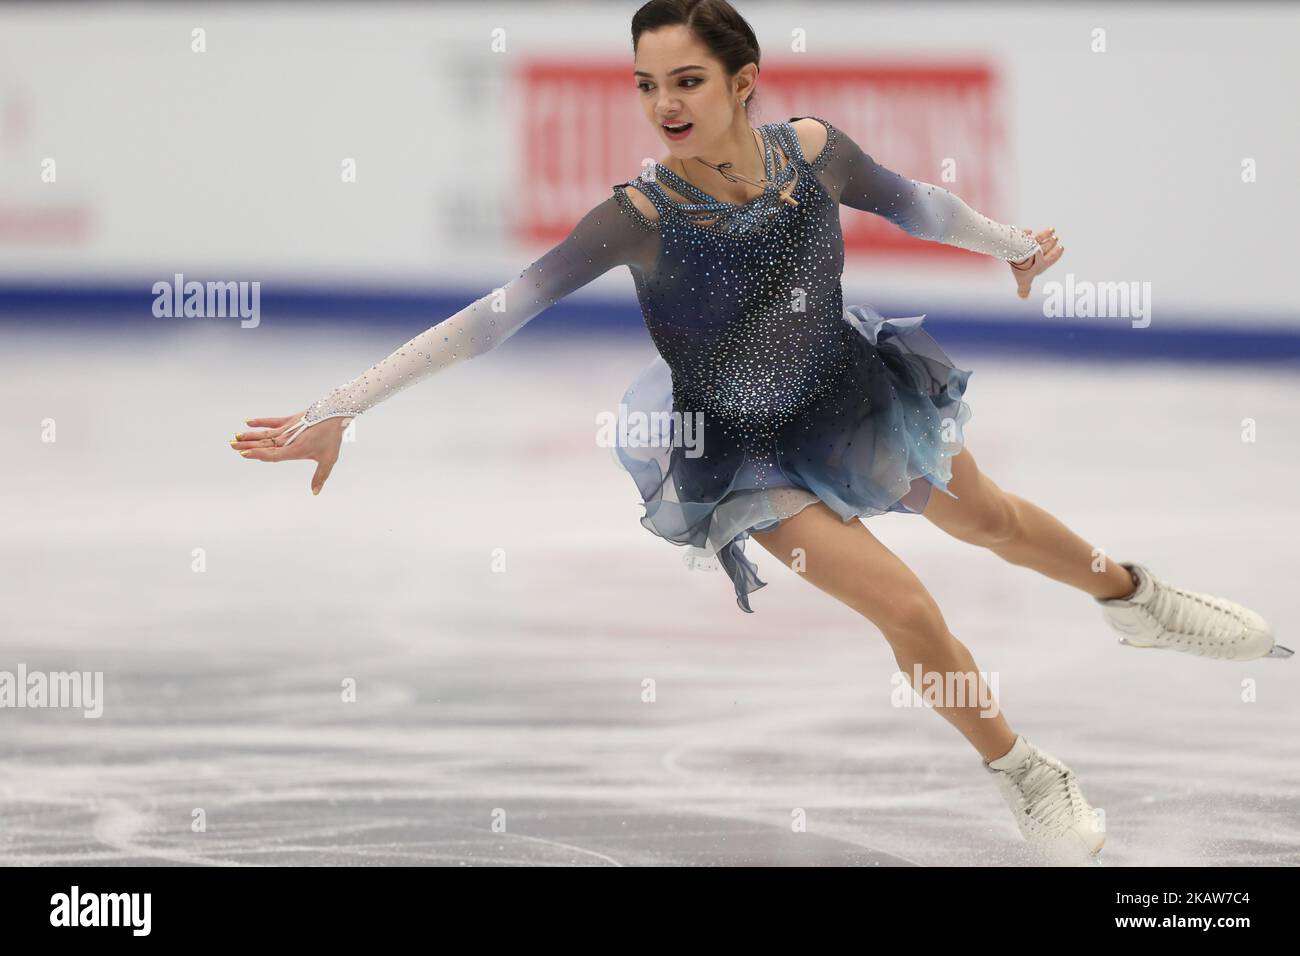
(609, 235)
(925, 210)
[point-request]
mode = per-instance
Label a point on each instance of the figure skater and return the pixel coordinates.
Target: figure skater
(813, 413)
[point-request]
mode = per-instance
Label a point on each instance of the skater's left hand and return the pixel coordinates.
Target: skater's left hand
(1040, 262)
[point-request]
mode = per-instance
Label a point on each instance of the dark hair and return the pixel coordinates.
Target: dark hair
(715, 23)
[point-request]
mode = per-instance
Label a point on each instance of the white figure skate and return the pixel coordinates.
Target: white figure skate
(1043, 794)
(1157, 615)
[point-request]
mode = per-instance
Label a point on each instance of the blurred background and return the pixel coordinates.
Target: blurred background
(475, 566)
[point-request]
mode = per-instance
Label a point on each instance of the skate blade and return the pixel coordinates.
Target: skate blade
(1142, 647)
(1277, 650)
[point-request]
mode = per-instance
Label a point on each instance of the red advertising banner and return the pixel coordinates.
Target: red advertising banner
(935, 121)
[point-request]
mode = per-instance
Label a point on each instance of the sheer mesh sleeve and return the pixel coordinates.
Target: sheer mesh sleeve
(921, 209)
(613, 233)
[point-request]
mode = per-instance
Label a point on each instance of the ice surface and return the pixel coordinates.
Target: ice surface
(482, 693)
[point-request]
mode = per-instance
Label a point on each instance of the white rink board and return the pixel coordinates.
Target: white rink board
(228, 162)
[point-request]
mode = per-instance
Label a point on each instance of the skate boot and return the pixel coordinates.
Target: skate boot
(1043, 793)
(1157, 615)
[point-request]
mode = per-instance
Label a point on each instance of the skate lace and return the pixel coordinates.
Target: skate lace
(1194, 619)
(1049, 793)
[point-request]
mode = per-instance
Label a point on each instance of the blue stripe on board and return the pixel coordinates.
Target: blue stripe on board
(129, 307)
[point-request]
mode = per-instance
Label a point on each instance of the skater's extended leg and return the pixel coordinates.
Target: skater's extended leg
(1020, 532)
(1142, 609)
(848, 562)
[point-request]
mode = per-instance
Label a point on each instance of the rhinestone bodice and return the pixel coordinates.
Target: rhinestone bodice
(747, 312)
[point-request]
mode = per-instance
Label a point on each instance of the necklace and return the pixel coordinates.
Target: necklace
(766, 184)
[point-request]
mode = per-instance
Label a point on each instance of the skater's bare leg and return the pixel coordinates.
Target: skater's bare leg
(848, 562)
(1020, 532)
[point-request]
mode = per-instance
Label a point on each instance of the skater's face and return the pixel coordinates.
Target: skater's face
(680, 82)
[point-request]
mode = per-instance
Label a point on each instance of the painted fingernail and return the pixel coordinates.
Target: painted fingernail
(245, 454)
(315, 491)
(233, 444)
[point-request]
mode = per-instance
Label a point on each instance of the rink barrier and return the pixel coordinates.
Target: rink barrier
(1178, 337)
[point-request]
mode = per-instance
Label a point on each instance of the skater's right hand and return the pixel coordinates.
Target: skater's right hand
(1052, 249)
(319, 443)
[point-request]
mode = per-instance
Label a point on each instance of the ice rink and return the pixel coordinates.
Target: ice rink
(518, 696)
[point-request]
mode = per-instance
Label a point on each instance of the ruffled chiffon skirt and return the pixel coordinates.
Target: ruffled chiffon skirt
(878, 441)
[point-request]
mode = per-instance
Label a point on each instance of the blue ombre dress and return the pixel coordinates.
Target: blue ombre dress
(768, 394)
